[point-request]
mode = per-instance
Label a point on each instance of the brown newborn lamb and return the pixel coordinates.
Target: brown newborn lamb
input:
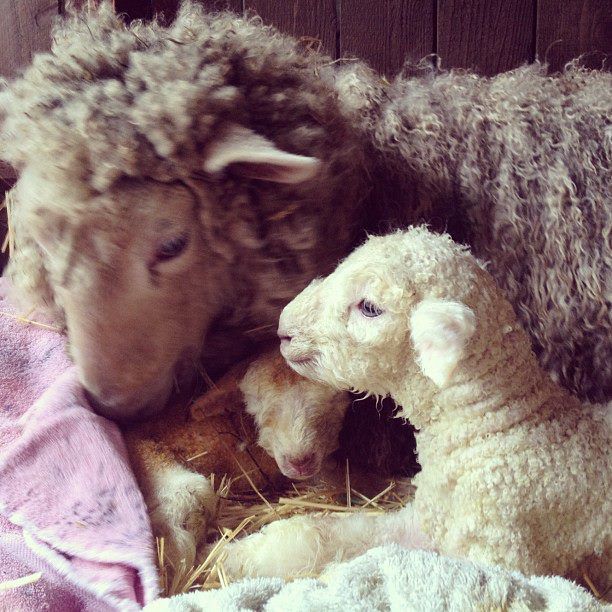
(261, 419)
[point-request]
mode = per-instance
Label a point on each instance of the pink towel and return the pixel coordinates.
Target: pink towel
(65, 481)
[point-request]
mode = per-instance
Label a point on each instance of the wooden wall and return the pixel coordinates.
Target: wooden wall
(486, 35)
(489, 36)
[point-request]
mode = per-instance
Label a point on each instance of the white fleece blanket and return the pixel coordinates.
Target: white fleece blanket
(393, 579)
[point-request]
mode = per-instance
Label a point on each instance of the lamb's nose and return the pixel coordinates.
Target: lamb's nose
(302, 464)
(284, 335)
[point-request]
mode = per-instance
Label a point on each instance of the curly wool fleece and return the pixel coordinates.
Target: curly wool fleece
(144, 101)
(526, 159)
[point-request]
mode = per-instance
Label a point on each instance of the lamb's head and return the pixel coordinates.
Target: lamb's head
(402, 307)
(298, 420)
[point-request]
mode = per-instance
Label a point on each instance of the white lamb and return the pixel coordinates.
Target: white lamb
(515, 471)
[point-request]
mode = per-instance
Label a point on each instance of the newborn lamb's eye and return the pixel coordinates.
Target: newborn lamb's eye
(171, 248)
(368, 309)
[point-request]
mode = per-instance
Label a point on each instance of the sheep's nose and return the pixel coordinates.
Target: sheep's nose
(121, 411)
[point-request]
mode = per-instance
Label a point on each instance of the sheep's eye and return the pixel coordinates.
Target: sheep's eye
(171, 248)
(368, 309)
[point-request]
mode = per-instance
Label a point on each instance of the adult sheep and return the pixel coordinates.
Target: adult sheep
(174, 182)
(526, 160)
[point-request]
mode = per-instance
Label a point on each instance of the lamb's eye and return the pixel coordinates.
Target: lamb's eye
(368, 309)
(171, 248)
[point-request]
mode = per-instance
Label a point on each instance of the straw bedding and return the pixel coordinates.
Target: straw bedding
(240, 515)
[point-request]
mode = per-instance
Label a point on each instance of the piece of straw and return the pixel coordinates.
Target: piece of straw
(9, 239)
(348, 484)
(27, 321)
(19, 582)
(593, 588)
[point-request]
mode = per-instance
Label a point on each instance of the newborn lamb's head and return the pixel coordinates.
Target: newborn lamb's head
(298, 422)
(402, 307)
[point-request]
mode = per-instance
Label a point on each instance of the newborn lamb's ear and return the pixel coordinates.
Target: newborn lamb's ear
(254, 156)
(440, 329)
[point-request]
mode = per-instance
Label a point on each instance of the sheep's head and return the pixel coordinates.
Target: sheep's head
(135, 272)
(298, 421)
(164, 182)
(395, 310)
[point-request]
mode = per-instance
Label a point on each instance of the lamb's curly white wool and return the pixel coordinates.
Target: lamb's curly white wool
(515, 471)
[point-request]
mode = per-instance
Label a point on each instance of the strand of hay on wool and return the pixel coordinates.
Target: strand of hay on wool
(24, 319)
(9, 238)
(241, 515)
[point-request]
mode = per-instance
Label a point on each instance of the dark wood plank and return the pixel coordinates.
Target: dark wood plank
(168, 8)
(135, 9)
(489, 36)
(315, 19)
(387, 32)
(25, 28)
(572, 28)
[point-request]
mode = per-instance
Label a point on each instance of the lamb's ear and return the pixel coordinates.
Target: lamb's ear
(440, 330)
(254, 156)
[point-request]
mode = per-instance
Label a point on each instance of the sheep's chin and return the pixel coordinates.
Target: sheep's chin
(133, 408)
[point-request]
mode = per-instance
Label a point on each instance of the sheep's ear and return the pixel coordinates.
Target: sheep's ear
(440, 330)
(253, 156)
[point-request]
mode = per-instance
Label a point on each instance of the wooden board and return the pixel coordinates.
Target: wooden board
(387, 32)
(168, 8)
(135, 9)
(489, 36)
(25, 28)
(577, 27)
(308, 19)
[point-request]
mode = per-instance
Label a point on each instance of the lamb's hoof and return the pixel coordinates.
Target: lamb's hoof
(184, 507)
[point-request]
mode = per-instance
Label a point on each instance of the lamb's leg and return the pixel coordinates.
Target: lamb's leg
(304, 545)
(181, 503)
